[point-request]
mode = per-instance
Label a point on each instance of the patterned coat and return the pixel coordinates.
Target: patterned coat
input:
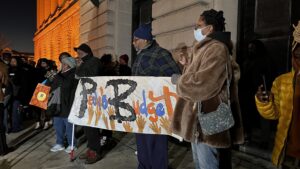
(154, 61)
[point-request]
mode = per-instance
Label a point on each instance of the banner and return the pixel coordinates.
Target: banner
(128, 104)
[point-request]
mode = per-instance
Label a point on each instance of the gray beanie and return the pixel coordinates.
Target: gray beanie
(70, 61)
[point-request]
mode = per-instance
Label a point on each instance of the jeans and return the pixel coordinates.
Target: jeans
(207, 157)
(16, 116)
(62, 128)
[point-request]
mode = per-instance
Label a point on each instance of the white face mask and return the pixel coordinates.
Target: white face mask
(198, 34)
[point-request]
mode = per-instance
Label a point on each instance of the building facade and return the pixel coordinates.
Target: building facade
(107, 28)
(57, 28)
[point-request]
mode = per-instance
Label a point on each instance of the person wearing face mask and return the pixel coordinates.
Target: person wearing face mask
(282, 103)
(152, 60)
(204, 80)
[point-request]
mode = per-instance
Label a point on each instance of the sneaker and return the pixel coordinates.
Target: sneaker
(93, 157)
(37, 125)
(46, 126)
(69, 149)
(51, 122)
(57, 147)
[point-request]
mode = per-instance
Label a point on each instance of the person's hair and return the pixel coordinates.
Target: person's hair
(124, 57)
(214, 18)
(39, 63)
(106, 58)
(18, 60)
(260, 47)
(296, 36)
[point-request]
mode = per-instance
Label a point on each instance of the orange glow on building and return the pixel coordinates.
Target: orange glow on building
(57, 28)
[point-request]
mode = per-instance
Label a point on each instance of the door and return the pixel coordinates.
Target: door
(263, 51)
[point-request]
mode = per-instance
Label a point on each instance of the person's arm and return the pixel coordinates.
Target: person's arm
(268, 104)
(204, 78)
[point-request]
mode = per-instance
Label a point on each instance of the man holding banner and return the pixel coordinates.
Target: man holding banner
(89, 66)
(152, 60)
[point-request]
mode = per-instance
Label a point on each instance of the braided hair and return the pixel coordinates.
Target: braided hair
(214, 18)
(296, 35)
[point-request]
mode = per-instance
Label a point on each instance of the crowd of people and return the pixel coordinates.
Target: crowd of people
(209, 78)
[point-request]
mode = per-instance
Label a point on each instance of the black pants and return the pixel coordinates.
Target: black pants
(152, 151)
(93, 139)
(3, 146)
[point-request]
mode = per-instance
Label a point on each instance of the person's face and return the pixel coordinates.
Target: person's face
(296, 58)
(139, 43)
(251, 49)
(81, 53)
(13, 62)
(44, 65)
(205, 29)
(64, 67)
(122, 61)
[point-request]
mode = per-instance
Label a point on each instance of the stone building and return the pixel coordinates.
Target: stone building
(107, 26)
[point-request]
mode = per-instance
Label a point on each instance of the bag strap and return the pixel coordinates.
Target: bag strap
(199, 105)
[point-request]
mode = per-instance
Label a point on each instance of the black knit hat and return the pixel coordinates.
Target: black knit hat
(84, 47)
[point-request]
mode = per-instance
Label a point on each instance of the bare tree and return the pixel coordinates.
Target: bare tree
(4, 43)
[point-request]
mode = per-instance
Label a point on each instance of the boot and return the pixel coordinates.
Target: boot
(93, 157)
(85, 155)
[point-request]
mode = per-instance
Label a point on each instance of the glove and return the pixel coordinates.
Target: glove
(175, 78)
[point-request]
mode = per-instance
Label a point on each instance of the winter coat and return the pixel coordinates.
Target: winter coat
(90, 67)
(154, 61)
(280, 108)
(204, 79)
(124, 70)
(68, 84)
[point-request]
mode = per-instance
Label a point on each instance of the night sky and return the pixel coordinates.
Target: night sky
(18, 23)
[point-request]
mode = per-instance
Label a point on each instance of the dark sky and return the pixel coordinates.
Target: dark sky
(18, 23)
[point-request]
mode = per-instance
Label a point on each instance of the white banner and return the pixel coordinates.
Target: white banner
(128, 104)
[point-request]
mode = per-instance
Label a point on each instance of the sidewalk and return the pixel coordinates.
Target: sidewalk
(34, 153)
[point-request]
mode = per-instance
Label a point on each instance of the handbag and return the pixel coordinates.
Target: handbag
(40, 96)
(219, 120)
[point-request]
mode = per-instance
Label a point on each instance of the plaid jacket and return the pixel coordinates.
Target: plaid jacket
(154, 61)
